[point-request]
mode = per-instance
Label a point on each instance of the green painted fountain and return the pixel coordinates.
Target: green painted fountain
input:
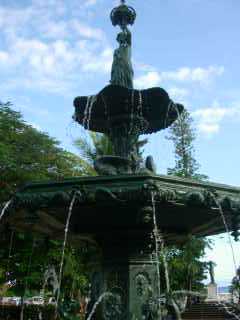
(116, 209)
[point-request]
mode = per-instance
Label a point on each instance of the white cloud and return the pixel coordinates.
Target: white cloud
(210, 119)
(46, 52)
(178, 94)
(89, 3)
(150, 79)
(44, 49)
(53, 30)
(101, 63)
(87, 31)
(53, 66)
(36, 126)
(143, 67)
(4, 58)
(12, 19)
(208, 128)
(200, 75)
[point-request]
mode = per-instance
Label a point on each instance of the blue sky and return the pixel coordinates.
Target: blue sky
(54, 50)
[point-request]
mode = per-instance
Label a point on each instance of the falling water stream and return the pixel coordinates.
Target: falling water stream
(22, 310)
(167, 114)
(227, 231)
(85, 117)
(168, 288)
(5, 209)
(92, 101)
(216, 201)
(157, 250)
(50, 276)
(96, 304)
(26, 283)
(64, 246)
(133, 125)
(140, 105)
(88, 111)
(9, 254)
(131, 112)
(159, 240)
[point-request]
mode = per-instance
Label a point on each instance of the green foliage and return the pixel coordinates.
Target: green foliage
(235, 285)
(96, 146)
(183, 135)
(26, 261)
(21, 263)
(27, 154)
(186, 267)
(30, 312)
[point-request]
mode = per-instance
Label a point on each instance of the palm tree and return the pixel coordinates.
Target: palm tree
(96, 145)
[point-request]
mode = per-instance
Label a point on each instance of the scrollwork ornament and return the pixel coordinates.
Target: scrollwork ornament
(143, 285)
(113, 307)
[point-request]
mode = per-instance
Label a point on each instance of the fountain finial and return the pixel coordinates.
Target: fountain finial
(123, 15)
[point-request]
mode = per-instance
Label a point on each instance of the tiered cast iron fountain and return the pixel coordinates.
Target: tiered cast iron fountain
(115, 210)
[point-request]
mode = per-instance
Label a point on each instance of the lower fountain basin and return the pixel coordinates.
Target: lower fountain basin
(122, 206)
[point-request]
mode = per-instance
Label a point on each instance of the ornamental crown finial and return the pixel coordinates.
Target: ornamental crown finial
(123, 15)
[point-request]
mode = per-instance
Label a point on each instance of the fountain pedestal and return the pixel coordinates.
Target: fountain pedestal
(129, 274)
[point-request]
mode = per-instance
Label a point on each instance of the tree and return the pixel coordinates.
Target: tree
(186, 265)
(27, 154)
(183, 135)
(235, 286)
(97, 145)
(27, 257)
(187, 269)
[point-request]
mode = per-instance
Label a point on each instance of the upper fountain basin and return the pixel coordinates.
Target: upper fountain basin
(152, 109)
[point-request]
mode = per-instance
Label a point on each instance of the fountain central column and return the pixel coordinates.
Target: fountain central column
(130, 278)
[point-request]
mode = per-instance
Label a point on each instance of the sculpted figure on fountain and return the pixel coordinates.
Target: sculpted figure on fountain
(122, 70)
